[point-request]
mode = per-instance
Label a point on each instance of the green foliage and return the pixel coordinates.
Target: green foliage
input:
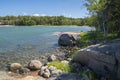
(30, 22)
(90, 75)
(107, 13)
(40, 20)
(89, 38)
(62, 66)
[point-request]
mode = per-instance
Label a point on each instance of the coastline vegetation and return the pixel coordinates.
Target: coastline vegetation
(41, 20)
(105, 18)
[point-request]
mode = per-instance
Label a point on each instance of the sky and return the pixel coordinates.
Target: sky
(67, 8)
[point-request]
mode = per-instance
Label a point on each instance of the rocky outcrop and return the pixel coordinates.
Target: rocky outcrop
(34, 65)
(104, 59)
(66, 40)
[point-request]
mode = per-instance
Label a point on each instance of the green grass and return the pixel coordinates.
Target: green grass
(62, 66)
(94, 37)
(113, 35)
(89, 38)
(67, 68)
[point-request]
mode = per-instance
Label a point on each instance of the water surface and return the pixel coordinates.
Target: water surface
(41, 38)
(23, 43)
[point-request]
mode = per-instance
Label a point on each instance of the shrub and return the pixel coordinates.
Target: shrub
(89, 38)
(62, 66)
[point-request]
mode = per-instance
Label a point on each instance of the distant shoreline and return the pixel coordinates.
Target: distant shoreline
(7, 25)
(39, 25)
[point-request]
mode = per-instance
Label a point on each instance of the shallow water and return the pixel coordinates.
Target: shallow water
(41, 38)
(24, 41)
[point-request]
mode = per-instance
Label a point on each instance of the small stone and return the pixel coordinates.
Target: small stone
(52, 68)
(69, 59)
(15, 66)
(52, 58)
(34, 65)
(24, 71)
(46, 75)
(65, 62)
(44, 71)
(56, 73)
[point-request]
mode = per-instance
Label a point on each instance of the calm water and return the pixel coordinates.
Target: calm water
(21, 44)
(39, 38)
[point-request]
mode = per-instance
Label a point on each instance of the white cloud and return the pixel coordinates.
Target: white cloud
(42, 14)
(67, 15)
(36, 15)
(24, 14)
(39, 14)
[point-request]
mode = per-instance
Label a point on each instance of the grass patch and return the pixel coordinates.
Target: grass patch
(89, 38)
(113, 35)
(62, 66)
(94, 37)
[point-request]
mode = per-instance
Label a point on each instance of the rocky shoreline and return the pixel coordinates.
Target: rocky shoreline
(91, 63)
(36, 70)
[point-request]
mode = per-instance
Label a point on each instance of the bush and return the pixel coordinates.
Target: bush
(62, 66)
(89, 38)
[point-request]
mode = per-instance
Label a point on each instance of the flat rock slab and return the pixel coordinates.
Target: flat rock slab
(104, 59)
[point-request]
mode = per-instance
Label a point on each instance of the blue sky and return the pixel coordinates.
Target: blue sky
(68, 8)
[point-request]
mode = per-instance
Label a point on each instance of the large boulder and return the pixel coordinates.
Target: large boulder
(34, 65)
(104, 59)
(66, 40)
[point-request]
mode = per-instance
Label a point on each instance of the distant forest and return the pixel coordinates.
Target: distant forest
(42, 20)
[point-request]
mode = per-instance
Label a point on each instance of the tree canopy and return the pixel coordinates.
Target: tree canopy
(105, 15)
(41, 20)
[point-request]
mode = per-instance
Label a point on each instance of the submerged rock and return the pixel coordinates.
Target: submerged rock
(34, 65)
(24, 71)
(15, 66)
(104, 59)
